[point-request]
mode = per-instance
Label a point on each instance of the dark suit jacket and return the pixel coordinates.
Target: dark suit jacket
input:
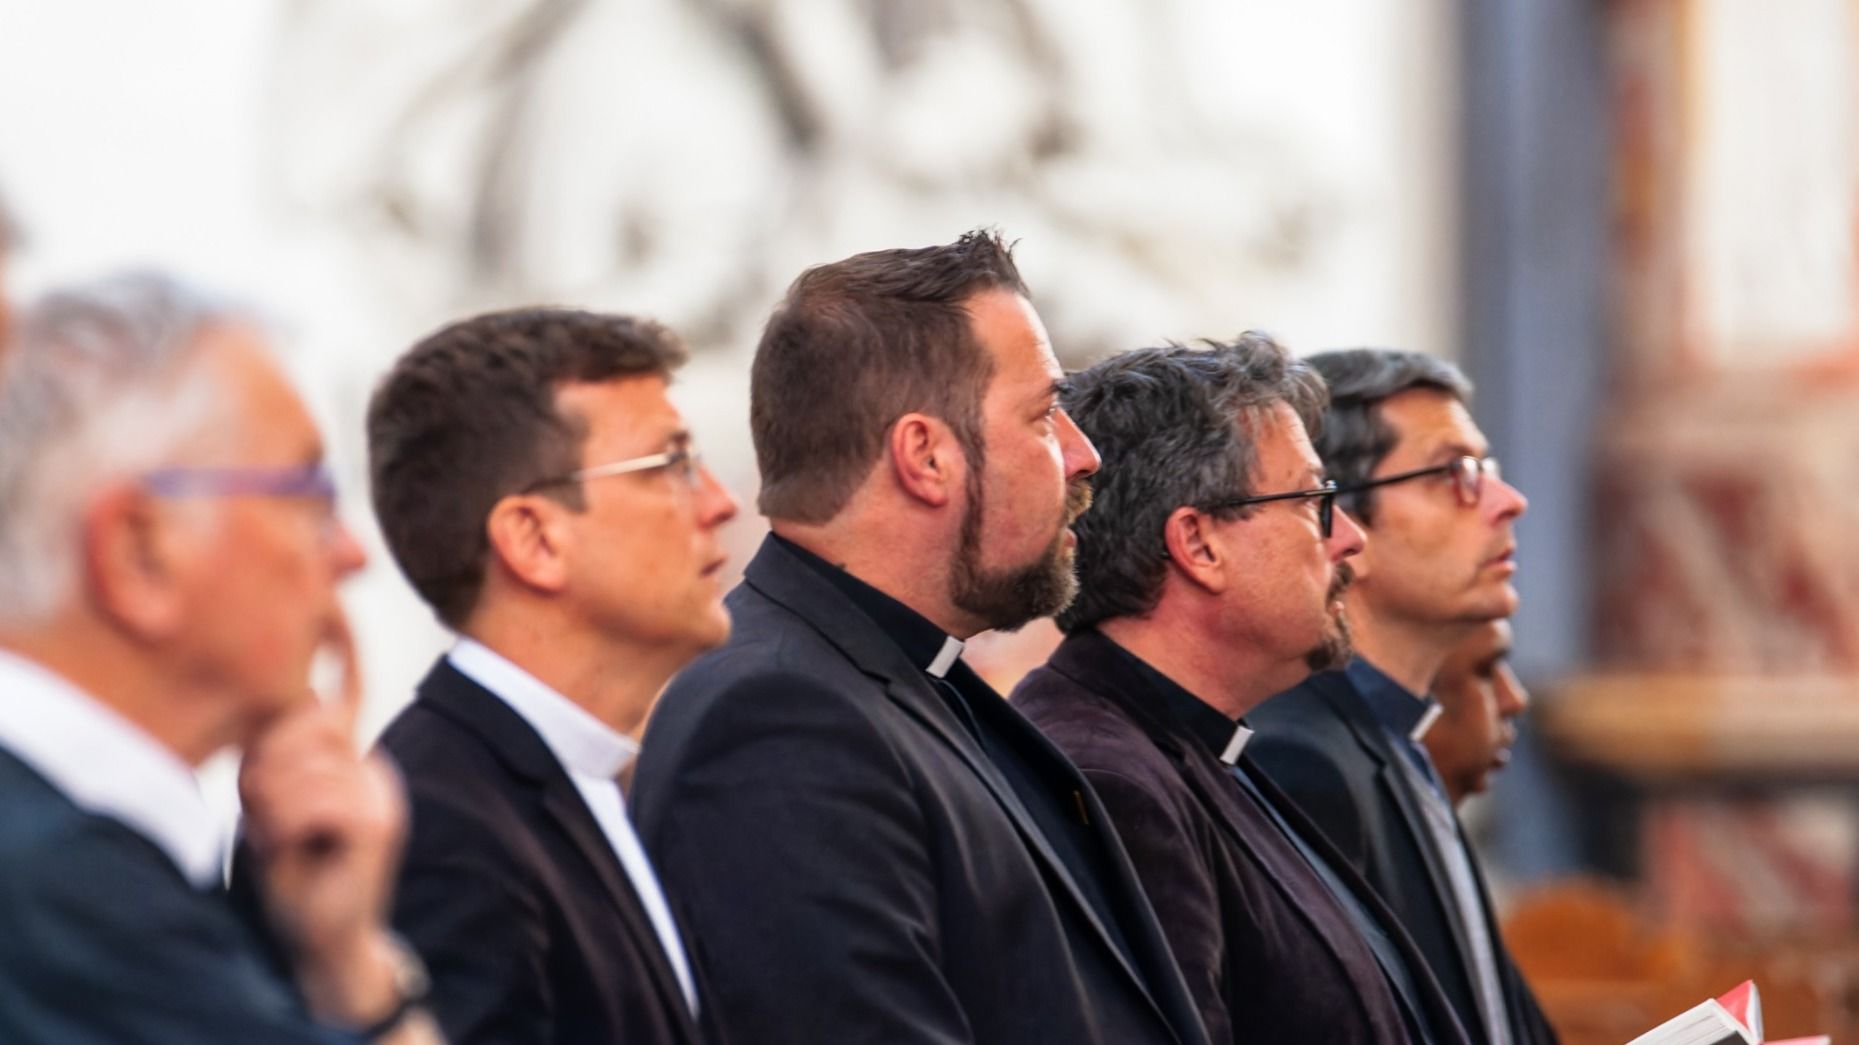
(1259, 963)
(511, 893)
(853, 867)
(103, 941)
(1322, 745)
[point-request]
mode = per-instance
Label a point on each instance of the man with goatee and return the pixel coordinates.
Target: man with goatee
(868, 844)
(1210, 574)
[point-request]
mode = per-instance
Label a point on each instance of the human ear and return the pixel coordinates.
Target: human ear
(531, 541)
(1195, 549)
(134, 559)
(926, 458)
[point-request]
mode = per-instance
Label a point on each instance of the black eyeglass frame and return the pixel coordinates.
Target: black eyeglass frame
(1326, 504)
(1469, 491)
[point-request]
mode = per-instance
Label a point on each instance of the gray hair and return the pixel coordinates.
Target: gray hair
(1175, 426)
(1355, 438)
(99, 383)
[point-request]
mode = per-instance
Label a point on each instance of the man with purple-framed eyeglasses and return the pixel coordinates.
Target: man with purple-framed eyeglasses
(169, 555)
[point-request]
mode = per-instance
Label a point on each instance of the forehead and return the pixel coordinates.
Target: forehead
(1011, 332)
(632, 413)
(266, 409)
(1283, 446)
(1428, 424)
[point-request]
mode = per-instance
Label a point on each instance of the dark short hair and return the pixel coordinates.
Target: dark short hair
(1175, 426)
(468, 416)
(854, 346)
(1355, 438)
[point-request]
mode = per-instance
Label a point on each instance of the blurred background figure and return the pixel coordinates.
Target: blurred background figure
(1480, 698)
(169, 553)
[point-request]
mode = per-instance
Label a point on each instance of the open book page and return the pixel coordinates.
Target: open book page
(1707, 1023)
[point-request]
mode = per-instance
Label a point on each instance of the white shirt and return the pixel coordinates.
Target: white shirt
(592, 754)
(107, 766)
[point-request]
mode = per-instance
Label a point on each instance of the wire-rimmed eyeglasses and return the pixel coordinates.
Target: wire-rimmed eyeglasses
(1468, 477)
(685, 459)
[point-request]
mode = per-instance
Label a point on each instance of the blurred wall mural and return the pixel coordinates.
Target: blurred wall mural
(693, 155)
(1174, 169)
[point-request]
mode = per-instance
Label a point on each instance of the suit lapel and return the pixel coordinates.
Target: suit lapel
(518, 747)
(1101, 674)
(777, 575)
(1397, 785)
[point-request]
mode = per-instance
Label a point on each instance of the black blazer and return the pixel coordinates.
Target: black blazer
(853, 867)
(105, 941)
(511, 893)
(1325, 748)
(1261, 966)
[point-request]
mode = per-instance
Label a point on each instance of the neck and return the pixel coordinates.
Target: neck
(1409, 652)
(179, 713)
(1229, 677)
(906, 566)
(615, 680)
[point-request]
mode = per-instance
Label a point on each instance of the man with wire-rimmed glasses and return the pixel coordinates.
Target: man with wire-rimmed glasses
(542, 494)
(1414, 469)
(1209, 572)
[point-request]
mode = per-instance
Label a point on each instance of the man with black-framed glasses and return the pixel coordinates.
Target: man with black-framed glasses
(1418, 474)
(543, 495)
(1209, 572)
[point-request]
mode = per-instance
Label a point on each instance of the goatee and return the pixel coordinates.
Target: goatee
(1336, 647)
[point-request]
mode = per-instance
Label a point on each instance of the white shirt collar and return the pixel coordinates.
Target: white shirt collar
(582, 743)
(107, 766)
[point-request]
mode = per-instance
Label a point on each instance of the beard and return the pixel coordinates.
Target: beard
(1335, 648)
(1006, 599)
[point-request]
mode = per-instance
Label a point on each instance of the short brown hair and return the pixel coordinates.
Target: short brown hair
(468, 416)
(854, 346)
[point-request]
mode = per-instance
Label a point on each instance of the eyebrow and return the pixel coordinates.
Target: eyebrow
(1054, 391)
(1447, 451)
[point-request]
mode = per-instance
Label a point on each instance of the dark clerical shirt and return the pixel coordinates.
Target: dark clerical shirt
(1345, 919)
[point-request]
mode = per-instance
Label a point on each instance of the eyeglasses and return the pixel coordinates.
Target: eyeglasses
(684, 459)
(1468, 477)
(311, 481)
(1325, 496)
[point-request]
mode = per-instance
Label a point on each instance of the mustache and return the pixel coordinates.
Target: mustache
(1077, 500)
(1345, 576)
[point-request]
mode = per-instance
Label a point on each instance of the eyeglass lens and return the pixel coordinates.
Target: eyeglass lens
(1468, 477)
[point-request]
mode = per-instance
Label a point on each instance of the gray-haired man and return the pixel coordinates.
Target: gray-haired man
(1208, 574)
(169, 554)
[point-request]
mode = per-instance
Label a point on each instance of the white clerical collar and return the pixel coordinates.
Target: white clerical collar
(1242, 735)
(1427, 718)
(107, 766)
(946, 657)
(580, 742)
